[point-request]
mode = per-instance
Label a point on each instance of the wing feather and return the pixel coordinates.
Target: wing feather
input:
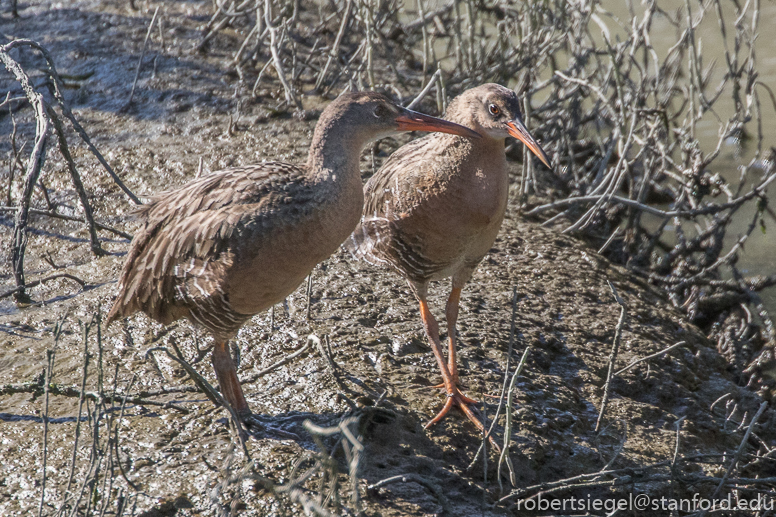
(181, 254)
(411, 175)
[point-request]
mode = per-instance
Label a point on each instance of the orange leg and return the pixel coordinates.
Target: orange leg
(227, 379)
(449, 369)
(454, 395)
(233, 393)
(451, 313)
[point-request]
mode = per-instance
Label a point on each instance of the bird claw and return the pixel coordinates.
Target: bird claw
(456, 398)
(463, 399)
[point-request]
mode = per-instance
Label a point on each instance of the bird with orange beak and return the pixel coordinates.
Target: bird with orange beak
(433, 211)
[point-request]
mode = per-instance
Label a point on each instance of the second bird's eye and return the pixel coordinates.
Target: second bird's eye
(381, 111)
(494, 110)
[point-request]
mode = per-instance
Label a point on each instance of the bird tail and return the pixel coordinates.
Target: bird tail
(114, 314)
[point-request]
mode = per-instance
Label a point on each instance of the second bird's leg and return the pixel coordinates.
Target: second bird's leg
(454, 395)
(233, 393)
(227, 379)
(451, 314)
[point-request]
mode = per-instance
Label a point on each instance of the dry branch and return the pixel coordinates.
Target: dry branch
(34, 164)
(613, 355)
(41, 281)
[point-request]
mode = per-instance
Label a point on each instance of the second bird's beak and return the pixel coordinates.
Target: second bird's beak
(517, 129)
(409, 120)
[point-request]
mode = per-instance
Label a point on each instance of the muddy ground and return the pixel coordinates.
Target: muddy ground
(175, 454)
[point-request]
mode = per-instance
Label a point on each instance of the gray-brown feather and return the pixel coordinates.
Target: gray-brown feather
(410, 178)
(435, 207)
(178, 262)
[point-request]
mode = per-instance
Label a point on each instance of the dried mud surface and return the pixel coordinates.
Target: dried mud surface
(564, 309)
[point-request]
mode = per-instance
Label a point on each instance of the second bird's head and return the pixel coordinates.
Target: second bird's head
(494, 111)
(373, 116)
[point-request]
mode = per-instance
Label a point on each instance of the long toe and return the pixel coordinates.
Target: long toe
(456, 398)
(459, 399)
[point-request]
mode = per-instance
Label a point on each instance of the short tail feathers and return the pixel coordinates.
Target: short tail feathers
(123, 305)
(116, 311)
(365, 241)
(112, 315)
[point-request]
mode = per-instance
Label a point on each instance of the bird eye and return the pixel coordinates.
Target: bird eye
(381, 111)
(494, 110)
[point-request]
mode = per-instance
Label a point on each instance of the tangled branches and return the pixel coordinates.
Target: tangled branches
(46, 117)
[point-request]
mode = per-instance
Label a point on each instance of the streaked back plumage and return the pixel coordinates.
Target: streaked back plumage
(180, 257)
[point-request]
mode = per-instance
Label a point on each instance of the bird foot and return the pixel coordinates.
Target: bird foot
(456, 398)
(259, 429)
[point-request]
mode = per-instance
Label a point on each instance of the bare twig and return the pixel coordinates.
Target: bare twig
(34, 164)
(41, 281)
(140, 60)
(49, 374)
(56, 83)
(734, 460)
(504, 457)
(276, 61)
(415, 478)
(613, 355)
(79, 186)
(55, 215)
(647, 358)
(209, 391)
(431, 82)
(287, 359)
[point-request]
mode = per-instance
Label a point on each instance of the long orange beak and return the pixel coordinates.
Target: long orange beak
(517, 129)
(410, 120)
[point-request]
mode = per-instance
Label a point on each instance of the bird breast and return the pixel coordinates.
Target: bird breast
(477, 195)
(271, 264)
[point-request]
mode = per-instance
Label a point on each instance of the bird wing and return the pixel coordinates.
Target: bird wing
(415, 172)
(182, 252)
(398, 186)
(233, 186)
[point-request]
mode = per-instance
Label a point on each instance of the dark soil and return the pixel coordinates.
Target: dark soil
(182, 111)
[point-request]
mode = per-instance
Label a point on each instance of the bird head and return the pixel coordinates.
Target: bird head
(494, 111)
(374, 116)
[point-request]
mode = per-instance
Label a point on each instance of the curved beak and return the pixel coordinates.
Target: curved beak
(517, 129)
(409, 120)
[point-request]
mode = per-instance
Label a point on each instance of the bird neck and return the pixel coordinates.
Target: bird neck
(333, 170)
(334, 155)
(481, 147)
(492, 145)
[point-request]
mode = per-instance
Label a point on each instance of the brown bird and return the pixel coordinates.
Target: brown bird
(233, 243)
(433, 211)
